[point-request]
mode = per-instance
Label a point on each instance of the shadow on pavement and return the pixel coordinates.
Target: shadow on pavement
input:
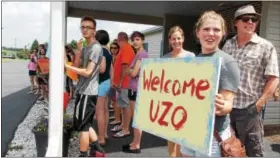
(15, 107)
(275, 147)
(115, 144)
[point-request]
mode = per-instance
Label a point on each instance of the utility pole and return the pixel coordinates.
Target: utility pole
(15, 43)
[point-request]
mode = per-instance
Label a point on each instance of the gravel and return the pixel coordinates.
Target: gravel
(24, 138)
(23, 143)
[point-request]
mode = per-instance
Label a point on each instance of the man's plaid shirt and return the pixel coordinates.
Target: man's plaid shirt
(256, 60)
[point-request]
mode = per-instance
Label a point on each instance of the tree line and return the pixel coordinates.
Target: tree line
(22, 53)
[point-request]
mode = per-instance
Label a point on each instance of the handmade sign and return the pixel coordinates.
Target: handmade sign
(175, 100)
(71, 74)
(43, 64)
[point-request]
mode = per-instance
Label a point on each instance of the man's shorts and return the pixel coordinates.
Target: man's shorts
(104, 88)
(215, 149)
(84, 112)
(132, 95)
(122, 98)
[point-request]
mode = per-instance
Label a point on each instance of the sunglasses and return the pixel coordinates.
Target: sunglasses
(113, 48)
(246, 19)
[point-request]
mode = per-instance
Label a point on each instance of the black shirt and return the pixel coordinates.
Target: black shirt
(106, 75)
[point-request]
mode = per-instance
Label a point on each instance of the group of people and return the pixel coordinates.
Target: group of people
(38, 78)
(249, 76)
(106, 75)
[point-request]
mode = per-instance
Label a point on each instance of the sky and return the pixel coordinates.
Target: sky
(22, 22)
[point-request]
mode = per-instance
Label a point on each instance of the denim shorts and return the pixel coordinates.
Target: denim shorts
(215, 150)
(104, 88)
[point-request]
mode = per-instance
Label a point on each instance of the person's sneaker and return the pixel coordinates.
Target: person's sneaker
(36, 92)
(83, 156)
(97, 154)
(97, 151)
(30, 92)
(41, 98)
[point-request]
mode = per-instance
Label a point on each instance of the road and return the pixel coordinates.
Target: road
(14, 76)
(16, 103)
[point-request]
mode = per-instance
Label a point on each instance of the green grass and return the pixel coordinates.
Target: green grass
(4, 60)
(9, 52)
(15, 147)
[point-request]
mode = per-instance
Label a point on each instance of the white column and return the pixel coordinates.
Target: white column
(57, 31)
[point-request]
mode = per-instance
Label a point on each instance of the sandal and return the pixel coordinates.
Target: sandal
(134, 151)
(112, 117)
(115, 122)
(121, 135)
(116, 128)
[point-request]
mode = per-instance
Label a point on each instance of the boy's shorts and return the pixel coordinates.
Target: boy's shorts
(84, 112)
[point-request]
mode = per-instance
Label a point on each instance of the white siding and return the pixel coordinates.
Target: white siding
(272, 33)
(154, 44)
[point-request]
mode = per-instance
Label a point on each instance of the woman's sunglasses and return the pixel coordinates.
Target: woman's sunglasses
(113, 48)
(247, 18)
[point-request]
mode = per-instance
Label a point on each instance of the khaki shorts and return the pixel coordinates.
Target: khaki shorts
(122, 98)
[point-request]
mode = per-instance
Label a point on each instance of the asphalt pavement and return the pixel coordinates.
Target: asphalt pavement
(16, 103)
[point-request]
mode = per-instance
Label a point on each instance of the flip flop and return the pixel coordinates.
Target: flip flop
(112, 117)
(134, 151)
(116, 128)
(115, 123)
(120, 135)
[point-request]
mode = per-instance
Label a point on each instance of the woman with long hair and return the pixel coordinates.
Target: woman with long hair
(102, 112)
(114, 49)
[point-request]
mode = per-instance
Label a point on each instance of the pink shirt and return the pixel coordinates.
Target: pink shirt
(32, 65)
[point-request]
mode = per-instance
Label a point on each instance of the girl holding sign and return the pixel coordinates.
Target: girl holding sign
(210, 29)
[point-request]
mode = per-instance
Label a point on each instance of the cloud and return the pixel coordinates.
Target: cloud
(26, 21)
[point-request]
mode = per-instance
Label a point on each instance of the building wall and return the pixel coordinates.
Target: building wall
(228, 15)
(154, 44)
(187, 24)
(270, 29)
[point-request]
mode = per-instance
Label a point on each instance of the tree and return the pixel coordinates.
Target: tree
(22, 55)
(46, 45)
(4, 53)
(74, 44)
(34, 45)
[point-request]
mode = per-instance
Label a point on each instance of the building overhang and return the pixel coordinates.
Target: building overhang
(146, 12)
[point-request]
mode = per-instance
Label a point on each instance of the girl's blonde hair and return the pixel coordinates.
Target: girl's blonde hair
(211, 15)
(175, 29)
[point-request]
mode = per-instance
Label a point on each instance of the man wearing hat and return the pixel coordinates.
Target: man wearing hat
(257, 60)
